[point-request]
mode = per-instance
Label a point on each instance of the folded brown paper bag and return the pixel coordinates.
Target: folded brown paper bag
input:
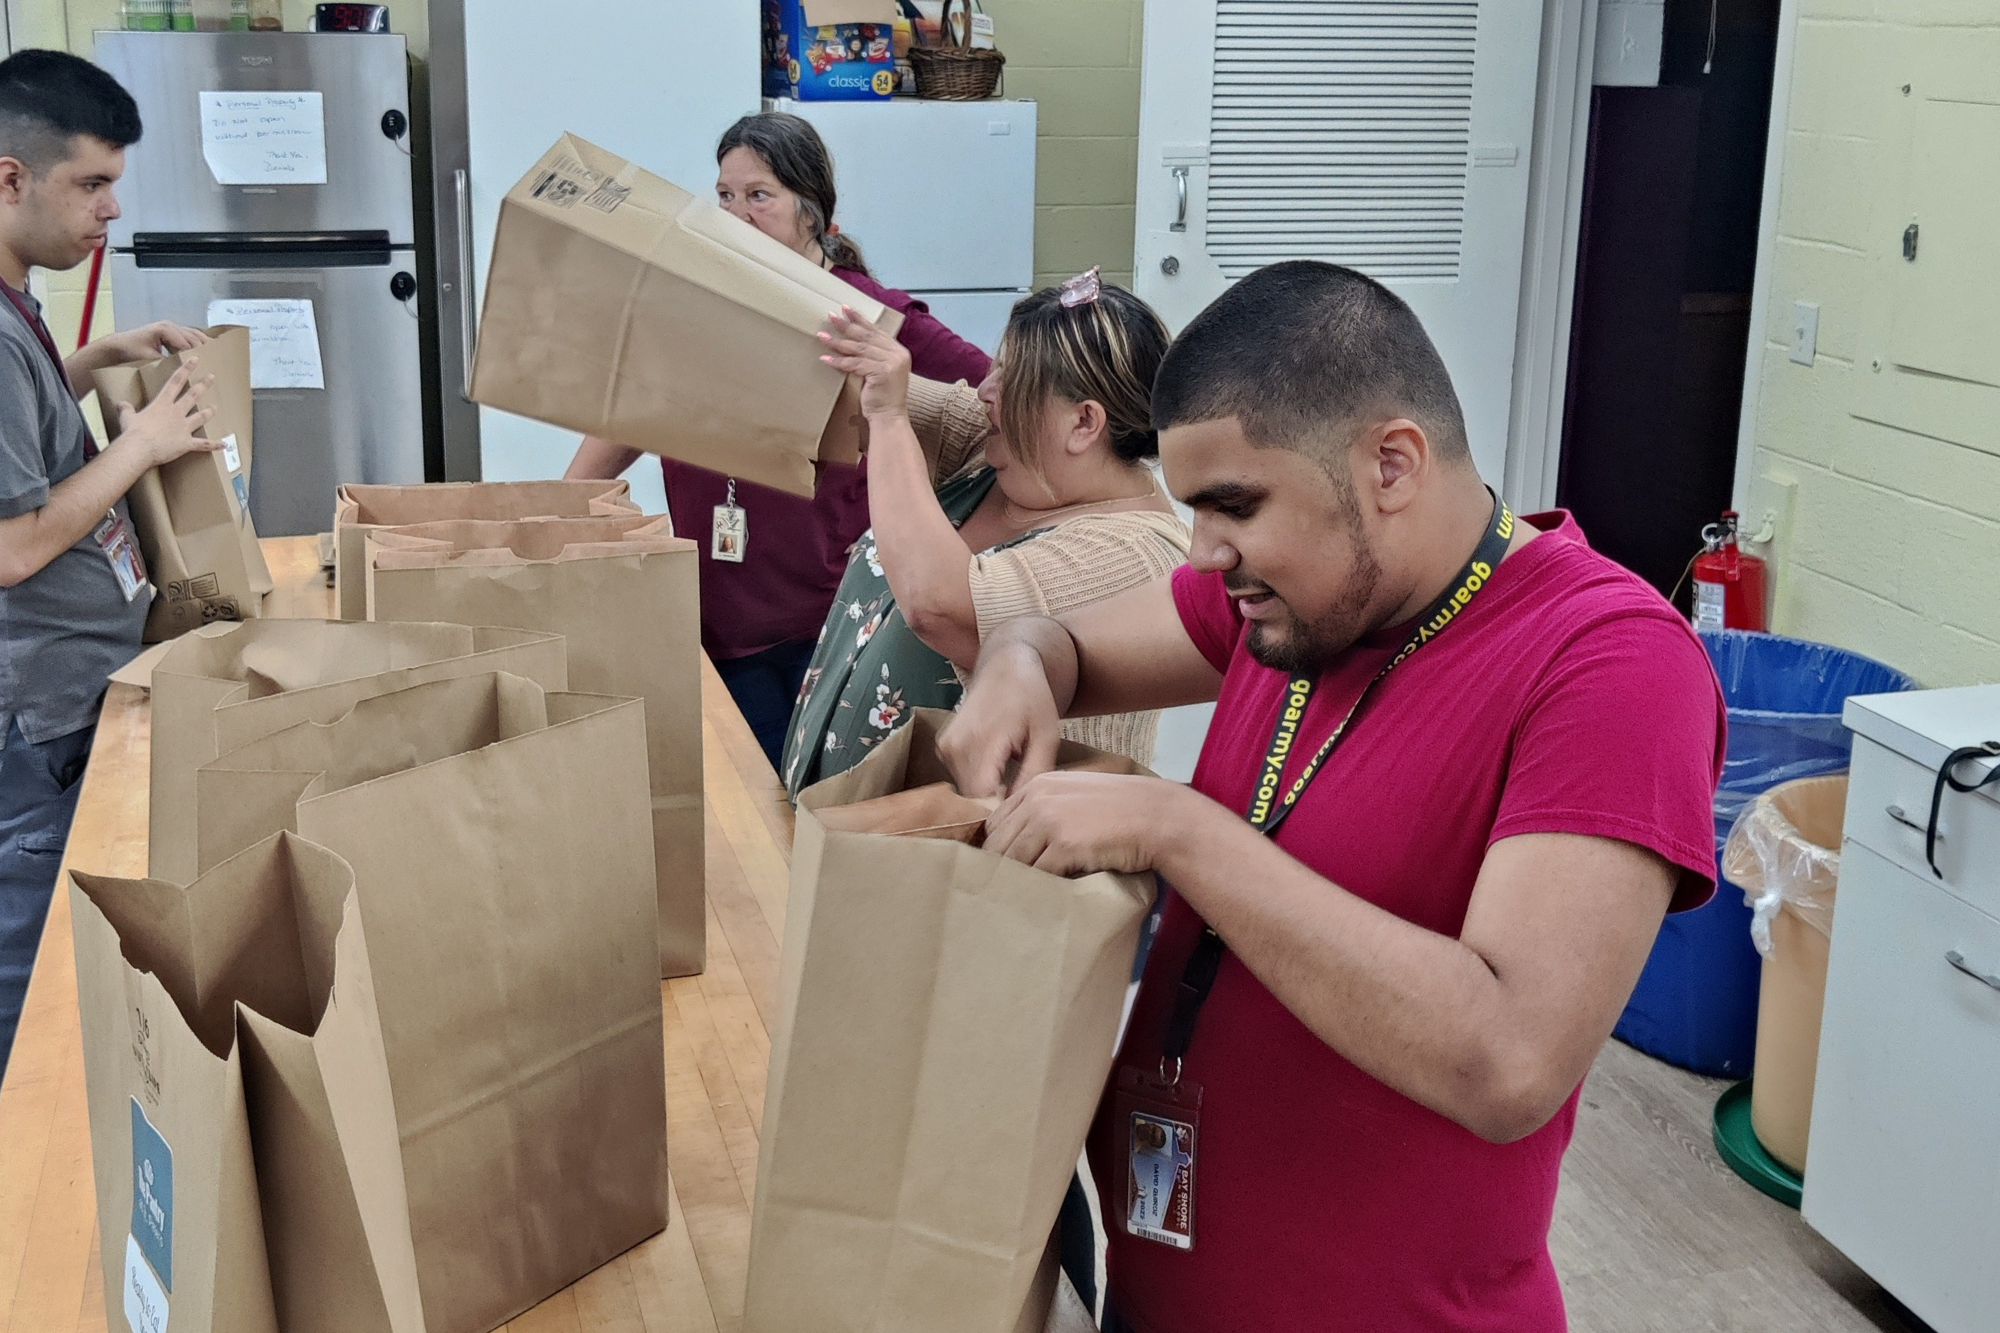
(359, 509)
(623, 594)
(621, 305)
(502, 855)
(945, 1026)
(193, 514)
(224, 685)
(181, 1231)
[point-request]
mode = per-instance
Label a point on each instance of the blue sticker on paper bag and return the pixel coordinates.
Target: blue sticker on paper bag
(153, 1196)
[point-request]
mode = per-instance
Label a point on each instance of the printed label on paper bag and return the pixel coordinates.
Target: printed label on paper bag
(152, 1201)
(145, 1303)
(569, 182)
(231, 455)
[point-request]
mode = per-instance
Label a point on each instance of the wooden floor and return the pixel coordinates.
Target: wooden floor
(1655, 1234)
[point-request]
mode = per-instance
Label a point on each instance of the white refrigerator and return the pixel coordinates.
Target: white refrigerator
(655, 82)
(940, 196)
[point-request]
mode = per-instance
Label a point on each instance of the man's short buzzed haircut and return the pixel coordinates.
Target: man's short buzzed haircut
(1297, 349)
(47, 98)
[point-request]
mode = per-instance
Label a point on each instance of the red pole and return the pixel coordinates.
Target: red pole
(90, 295)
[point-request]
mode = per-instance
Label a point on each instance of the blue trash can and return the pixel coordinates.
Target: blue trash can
(1696, 1003)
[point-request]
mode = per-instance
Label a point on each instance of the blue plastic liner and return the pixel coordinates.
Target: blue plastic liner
(1696, 1002)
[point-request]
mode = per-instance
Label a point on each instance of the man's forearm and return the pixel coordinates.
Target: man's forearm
(30, 541)
(1036, 642)
(1417, 1010)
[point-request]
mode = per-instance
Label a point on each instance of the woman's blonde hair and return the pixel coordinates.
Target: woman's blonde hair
(1104, 351)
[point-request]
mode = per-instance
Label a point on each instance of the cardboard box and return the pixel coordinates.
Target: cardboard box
(830, 50)
(621, 305)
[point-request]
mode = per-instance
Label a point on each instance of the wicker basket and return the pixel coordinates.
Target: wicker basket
(956, 71)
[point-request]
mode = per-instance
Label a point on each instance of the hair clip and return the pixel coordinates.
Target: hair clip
(1083, 289)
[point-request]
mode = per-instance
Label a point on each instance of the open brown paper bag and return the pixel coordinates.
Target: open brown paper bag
(622, 592)
(192, 515)
(224, 685)
(357, 510)
(179, 1224)
(945, 1026)
(621, 305)
(268, 947)
(500, 842)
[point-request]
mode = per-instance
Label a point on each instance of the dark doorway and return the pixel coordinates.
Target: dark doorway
(1667, 252)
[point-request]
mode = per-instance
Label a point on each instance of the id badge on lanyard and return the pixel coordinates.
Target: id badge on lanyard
(114, 538)
(730, 536)
(1159, 1124)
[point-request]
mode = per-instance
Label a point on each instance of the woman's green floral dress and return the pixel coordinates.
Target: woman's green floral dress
(869, 670)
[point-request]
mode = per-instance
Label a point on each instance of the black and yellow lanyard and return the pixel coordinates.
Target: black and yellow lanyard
(1268, 810)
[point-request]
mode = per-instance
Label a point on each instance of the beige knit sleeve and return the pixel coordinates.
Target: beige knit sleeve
(950, 423)
(1082, 561)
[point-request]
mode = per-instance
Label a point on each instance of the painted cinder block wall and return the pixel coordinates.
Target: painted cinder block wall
(1079, 60)
(1893, 543)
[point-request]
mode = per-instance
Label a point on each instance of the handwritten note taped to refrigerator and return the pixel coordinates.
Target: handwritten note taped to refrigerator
(284, 341)
(264, 138)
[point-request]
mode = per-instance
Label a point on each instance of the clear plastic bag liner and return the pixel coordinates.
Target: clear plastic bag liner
(1785, 850)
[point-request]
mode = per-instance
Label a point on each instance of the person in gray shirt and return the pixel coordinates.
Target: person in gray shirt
(73, 589)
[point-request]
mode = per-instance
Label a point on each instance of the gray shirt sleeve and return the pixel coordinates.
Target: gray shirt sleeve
(24, 479)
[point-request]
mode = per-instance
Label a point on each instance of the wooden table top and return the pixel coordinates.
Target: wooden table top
(688, 1279)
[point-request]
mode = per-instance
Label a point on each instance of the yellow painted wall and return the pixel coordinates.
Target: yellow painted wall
(1893, 542)
(1079, 59)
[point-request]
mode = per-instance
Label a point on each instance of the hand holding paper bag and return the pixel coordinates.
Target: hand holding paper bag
(932, 995)
(621, 305)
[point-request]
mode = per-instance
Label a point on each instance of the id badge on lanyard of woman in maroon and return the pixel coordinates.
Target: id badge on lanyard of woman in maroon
(113, 535)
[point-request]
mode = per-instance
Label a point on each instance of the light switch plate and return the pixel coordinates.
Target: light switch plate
(1805, 331)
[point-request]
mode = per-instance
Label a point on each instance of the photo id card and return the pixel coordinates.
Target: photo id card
(1159, 1125)
(113, 536)
(730, 535)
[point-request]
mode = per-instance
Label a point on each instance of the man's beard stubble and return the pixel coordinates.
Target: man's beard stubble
(1308, 648)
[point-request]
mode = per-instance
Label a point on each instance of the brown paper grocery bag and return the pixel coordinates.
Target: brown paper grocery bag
(193, 514)
(359, 509)
(224, 685)
(622, 592)
(621, 305)
(181, 1231)
(506, 895)
(945, 1026)
(270, 942)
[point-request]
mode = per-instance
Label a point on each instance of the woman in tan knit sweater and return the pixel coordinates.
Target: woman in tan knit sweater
(1028, 496)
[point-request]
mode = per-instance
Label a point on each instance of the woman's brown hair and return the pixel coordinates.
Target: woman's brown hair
(1104, 351)
(797, 156)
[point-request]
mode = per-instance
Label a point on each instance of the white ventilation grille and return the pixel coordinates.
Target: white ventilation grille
(1340, 131)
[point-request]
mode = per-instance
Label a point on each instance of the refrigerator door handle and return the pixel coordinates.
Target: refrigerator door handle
(462, 197)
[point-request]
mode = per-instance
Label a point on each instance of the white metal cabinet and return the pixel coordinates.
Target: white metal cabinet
(1905, 1170)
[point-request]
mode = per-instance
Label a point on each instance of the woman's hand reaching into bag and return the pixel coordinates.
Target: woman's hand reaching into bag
(856, 347)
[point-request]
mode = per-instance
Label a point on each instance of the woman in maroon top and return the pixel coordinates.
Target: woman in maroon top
(761, 613)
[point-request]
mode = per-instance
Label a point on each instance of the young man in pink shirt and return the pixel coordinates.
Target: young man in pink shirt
(1460, 767)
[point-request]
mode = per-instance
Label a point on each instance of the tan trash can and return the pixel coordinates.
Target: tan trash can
(1785, 854)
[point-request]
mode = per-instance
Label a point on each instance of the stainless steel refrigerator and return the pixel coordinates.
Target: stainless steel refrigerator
(273, 189)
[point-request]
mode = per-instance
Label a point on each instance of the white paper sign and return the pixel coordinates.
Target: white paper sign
(264, 138)
(284, 341)
(145, 1302)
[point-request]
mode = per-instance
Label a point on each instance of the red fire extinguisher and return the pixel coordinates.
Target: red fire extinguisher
(1728, 585)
